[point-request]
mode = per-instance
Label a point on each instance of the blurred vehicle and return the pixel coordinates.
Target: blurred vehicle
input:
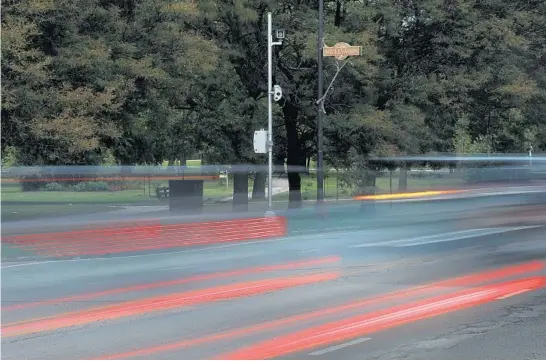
(526, 209)
(521, 194)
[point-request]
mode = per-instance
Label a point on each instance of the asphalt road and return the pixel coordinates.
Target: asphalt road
(403, 210)
(349, 294)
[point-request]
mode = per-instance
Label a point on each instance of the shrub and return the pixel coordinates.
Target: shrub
(119, 185)
(78, 187)
(30, 183)
(99, 186)
(54, 187)
(133, 185)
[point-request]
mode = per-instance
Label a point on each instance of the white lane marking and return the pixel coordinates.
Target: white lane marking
(412, 239)
(514, 293)
(443, 237)
(479, 233)
(162, 254)
(24, 264)
(340, 346)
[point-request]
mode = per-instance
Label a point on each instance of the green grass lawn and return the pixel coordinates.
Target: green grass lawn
(14, 212)
(18, 205)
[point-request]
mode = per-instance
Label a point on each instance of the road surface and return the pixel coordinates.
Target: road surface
(428, 291)
(404, 210)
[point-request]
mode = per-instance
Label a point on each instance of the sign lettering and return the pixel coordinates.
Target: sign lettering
(341, 51)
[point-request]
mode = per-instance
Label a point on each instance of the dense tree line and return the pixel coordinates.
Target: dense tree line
(142, 81)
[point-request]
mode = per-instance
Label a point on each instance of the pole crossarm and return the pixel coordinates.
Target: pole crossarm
(321, 101)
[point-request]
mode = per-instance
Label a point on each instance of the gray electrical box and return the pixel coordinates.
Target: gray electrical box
(260, 141)
(186, 196)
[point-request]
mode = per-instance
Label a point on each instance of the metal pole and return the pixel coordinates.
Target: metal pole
(390, 179)
(320, 165)
(337, 184)
(270, 111)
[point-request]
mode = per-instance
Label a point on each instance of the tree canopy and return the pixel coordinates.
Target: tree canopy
(143, 81)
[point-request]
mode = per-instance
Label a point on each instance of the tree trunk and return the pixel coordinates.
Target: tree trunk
(183, 159)
(294, 195)
(278, 163)
(294, 157)
(337, 21)
(258, 188)
(240, 191)
(403, 178)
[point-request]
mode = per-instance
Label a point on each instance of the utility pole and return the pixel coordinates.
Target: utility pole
(320, 114)
(270, 92)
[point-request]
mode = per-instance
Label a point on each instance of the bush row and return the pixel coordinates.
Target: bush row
(78, 187)
(91, 186)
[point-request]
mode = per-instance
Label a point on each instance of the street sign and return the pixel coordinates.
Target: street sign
(341, 51)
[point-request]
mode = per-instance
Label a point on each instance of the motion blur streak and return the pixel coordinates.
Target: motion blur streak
(203, 277)
(468, 280)
(108, 179)
(376, 321)
(162, 303)
(147, 237)
(496, 274)
(405, 195)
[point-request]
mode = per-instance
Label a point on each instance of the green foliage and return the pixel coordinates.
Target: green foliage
(31, 182)
(54, 187)
(465, 145)
(10, 157)
(139, 82)
(98, 186)
(108, 158)
(81, 77)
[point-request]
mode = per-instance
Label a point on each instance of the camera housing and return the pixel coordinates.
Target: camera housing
(280, 33)
(277, 93)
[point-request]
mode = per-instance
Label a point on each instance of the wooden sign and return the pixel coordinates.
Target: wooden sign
(341, 51)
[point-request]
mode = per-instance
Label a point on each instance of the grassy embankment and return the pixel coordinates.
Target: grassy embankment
(19, 205)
